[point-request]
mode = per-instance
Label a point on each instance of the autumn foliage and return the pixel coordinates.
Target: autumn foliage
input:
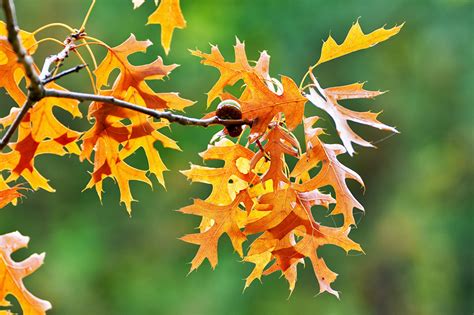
(269, 182)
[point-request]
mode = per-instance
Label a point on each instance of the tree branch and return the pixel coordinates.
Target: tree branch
(36, 87)
(64, 73)
(11, 130)
(69, 45)
(37, 91)
(173, 118)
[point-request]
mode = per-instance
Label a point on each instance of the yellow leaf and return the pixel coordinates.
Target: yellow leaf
(169, 16)
(355, 40)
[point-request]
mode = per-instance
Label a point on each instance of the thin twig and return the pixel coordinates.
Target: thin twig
(64, 73)
(11, 130)
(174, 118)
(69, 45)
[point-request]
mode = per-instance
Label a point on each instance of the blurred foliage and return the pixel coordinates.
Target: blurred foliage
(417, 232)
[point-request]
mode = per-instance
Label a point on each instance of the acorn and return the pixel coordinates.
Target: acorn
(230, 109)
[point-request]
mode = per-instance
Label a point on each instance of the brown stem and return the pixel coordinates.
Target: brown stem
(64, 73)
(11, 130)
(173, 118)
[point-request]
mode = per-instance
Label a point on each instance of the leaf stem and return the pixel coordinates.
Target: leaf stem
(44, 27)
(91, 7)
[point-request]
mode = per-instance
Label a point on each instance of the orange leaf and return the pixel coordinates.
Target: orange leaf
(228, 180)
(8, 195)
(290, 215)
(21, 160)
(105, 138)
(117, 132)
(227, 219)
(261, 105)
(231, 72)
(131, 83)
(11, 72)
(279, 143)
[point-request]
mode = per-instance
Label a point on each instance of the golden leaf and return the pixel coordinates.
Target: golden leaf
(355, 40)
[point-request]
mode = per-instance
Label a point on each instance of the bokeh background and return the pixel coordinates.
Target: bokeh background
(418, 228)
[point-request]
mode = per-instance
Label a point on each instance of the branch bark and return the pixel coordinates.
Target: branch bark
(36, 87)
(37, 91)
(173, 118)
(64, 73)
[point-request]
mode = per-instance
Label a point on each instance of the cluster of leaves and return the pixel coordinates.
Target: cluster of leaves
(116, 133)
(254, 194)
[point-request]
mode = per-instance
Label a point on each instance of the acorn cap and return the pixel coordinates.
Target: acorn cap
(229, 109)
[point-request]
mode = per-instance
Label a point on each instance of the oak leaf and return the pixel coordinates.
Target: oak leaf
(12, 72)
(288, 217)
(8, 195)
(40, 132)
(355, 40)
(261, 105)
(227, 180)
(232, 72)
(131, 82)
(118, 132)
(341, 115)
(227, 219)
(279, 143)
(169, 16)
(332, 172)
(12, 274)
(20, 161)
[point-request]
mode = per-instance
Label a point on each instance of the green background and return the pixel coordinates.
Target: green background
(417, 232)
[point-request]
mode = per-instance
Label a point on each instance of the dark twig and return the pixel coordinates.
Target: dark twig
(11, 130)
(174, 118)
(64, 73)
